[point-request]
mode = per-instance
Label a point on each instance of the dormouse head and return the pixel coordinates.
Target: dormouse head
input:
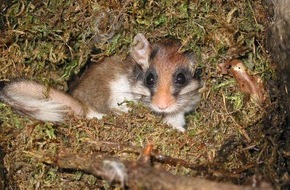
(166, 73)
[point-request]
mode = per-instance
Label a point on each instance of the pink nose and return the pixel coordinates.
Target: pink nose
(162, 104)
(162, 101)
(163, 98)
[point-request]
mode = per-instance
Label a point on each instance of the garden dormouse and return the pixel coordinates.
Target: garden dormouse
(156, 74)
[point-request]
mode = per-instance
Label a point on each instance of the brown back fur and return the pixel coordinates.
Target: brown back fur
(93, 88)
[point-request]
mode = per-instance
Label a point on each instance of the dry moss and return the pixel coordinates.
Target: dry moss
(50, 41)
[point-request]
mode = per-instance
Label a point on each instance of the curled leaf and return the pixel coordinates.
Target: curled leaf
(146, 154)
(250, 84)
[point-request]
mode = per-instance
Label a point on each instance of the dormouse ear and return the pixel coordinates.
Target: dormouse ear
(190, 56)
(140, 51)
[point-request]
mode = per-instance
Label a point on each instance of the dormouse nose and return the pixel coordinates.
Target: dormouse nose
(162, 103)
(163, 100)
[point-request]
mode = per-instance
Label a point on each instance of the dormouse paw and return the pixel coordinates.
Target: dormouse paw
(176, 121)
(178, 127)
(93, 114)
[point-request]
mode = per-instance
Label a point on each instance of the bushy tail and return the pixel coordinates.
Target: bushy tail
(42, 103)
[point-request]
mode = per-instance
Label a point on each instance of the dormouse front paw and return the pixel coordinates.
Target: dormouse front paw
(177, 121)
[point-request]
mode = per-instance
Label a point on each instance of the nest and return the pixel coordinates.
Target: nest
(231, 138)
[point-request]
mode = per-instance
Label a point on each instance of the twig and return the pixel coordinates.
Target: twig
(133, 174)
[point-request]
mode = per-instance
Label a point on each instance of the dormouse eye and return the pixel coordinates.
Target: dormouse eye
(180, 79)
(150, 79)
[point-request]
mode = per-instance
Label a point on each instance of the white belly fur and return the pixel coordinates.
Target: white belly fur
(121, 91)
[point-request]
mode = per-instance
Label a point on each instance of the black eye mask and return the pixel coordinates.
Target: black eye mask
(197, 73)
(181, 78)
(138, 72)
(150, 79)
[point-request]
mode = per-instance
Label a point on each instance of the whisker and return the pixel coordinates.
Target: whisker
(125, 92)
(129, 92)
(141, 94)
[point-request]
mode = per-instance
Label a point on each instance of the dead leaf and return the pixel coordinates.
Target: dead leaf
(250, 84)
